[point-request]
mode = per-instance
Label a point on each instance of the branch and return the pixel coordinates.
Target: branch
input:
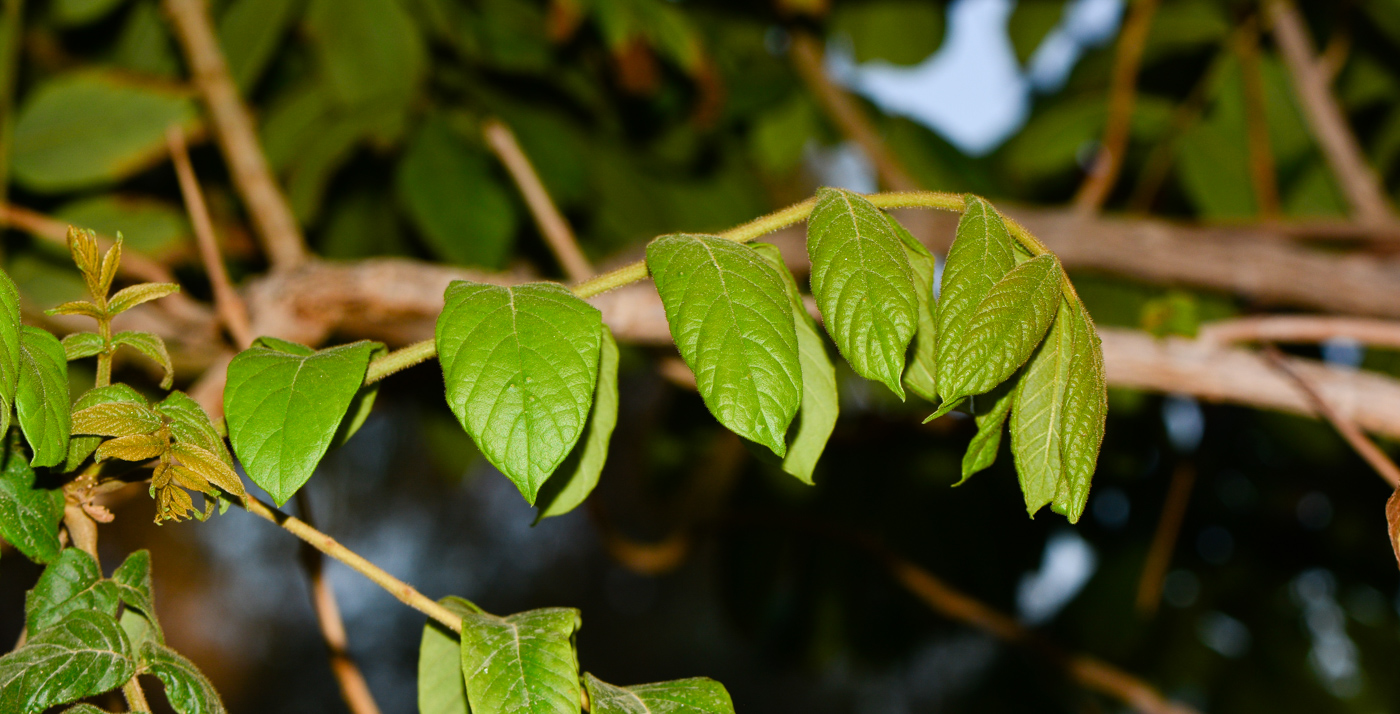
(1261, 157)
(1302, 329)
(233, 127)
(1329, 125)
(226, 301)
(1159, 554)
(1122, 94)
(551, 223)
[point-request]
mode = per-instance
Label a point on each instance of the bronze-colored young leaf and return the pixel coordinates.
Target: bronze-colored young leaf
(80, 447)
(153, 347)
(82, 245)
(189, 424)
(127, 298)
(110, 261)
(82, 344)
(77, 307)
(116, 418)
(133, 448)
(210, 467)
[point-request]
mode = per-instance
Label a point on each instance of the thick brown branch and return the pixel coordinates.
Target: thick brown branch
(1302, 329)
(233, 127)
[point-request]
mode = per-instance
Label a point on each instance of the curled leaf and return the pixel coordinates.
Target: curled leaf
(153, 347)
(77, 307)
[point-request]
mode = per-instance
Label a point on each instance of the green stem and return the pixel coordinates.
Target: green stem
(104, 358)
(399, 360)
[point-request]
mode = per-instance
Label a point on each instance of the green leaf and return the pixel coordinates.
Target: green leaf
(189, 424)
(1037, 417)
(901, 32)
(816, 415)
(144, 46)
(863, 284)
(29, 516)
(579, 473)
(84, 709)
(116, 418)
(697, 695)
(250, 31)
(152, 227)
(9, 349)
(921, 370)
(62, 144)
(369, 49)
(521, 663)
(84, 655)
(731, 320)
(132, 580)
(153, 347)
(42, 399)
(187, 689)
(991, 419)
(520, 365)
(441, 687)
(283, 403)
(464, 215)
(1085, 410)
(81, 447)
(1006, 327)
(981, 255)
(127, 298)
(78, 345)
(67, 585)
(70, 13)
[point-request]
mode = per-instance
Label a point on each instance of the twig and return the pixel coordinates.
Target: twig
(1329, 125)
(226, 301)
(1304, 329)
(1261, 156)
(135, 696)
(551, 223)
(843, 110)
(347, 673)
(1122, 94)
(330, 546)
(1157, 167)
(133, 265)
(1348, 429)
(1159, 555)
(233, 127)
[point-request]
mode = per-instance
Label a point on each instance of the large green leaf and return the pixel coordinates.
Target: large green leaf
(9, 349)
(1006, 327)
(522, 664)
(1037, 417)
(29, 516)
(982, 253)
(462, 212)
(816, 416)
(41, 401)
(732, 322)
(1085, 410)
(902, 32)
(71, 583)
(186, 688)
(283, 403)
(250, 32)
(579, 473)
(863, 284)
(84, 655)
(991, 412)
(132, 580)
(921, 372)
(520, 365)
(697, 695)
(441, 687)
(79, 130)
(369, 49)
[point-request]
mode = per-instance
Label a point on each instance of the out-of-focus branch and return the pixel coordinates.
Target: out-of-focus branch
(552, 225)
(1159, 554)
(353, 688)
(233, 127)
(1311, 82)
(226, 301)
(1261, 155)
(1122, 94)
(1306, 329)
(1157, 167)
(133, 265)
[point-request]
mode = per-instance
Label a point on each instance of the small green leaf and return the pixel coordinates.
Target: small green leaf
(1086, 406)
(921, 370)
(863, 284)
(1037, 417)
(520, 365)
(441, 687)
(116, 418)
(81, 447)
(189, 424)
(71, 583)
(29, 516)
(982, 253)
(84, 709)
(42, 398)
(84, 655)
(9, 350)
(153, 347)
(816, 416)
(522, 663)
(133, 583)
(991, 415)
(731, 320)
(370, 50)
(283, 403)
(82, 344)
(1006, 327)
(186, 688)
(579, 473)
(69, 13)
(697, 695)
(127, 298)
(250, 32)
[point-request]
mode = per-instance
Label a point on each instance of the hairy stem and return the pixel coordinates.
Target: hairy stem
(135, 696)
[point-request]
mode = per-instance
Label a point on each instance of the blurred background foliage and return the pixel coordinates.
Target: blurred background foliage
(649, 116)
